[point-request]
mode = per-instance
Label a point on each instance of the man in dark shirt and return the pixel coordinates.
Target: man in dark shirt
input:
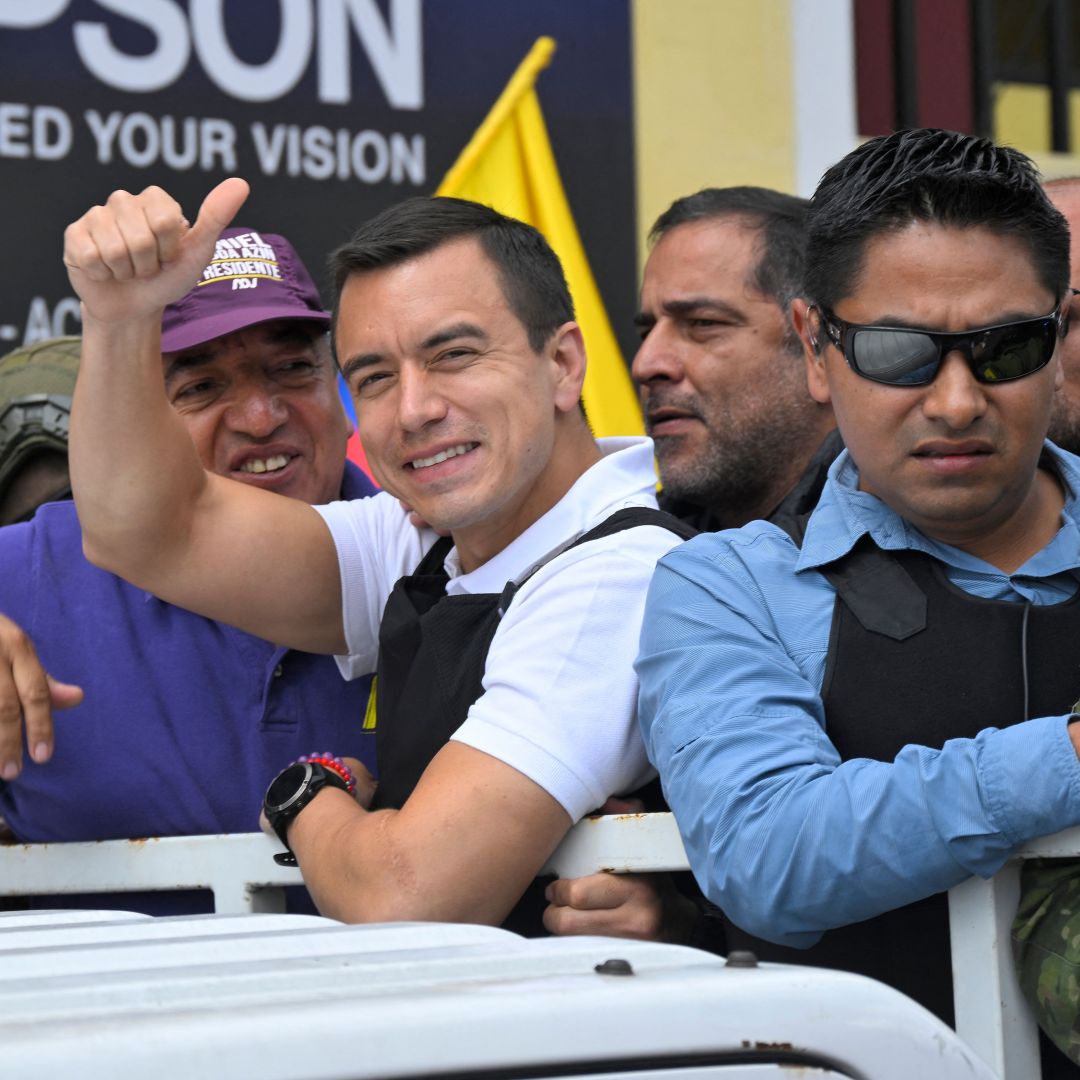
(723, 384)
(1065, 416)
(737, 435)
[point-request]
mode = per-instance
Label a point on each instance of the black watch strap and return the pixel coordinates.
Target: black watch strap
(289, 792)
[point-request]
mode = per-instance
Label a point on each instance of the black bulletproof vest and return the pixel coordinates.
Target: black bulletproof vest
(915, 660)
(432, 653)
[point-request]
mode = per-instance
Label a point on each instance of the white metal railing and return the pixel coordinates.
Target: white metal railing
(991, 1016)
(240, 871)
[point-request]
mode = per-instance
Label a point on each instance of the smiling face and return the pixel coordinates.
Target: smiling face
(459, 417)
(262, 407)
(956, 458)
(722, 383)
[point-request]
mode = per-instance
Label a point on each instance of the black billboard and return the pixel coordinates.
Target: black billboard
(332, 109)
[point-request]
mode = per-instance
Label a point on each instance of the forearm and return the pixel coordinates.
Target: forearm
(791, 849)
(784, 836)
(356, 867)
(135, 474)
(463, 848)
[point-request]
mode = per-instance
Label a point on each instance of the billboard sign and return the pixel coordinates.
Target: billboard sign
(331, 109)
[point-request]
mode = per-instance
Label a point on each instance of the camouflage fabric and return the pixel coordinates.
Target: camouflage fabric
(36, 384)
(1046, 948)
(46, 367)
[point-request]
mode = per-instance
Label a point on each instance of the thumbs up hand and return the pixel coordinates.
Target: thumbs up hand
(131, 257)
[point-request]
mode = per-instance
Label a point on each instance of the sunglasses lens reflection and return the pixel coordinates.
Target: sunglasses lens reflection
(895, 356)
(1018, 352)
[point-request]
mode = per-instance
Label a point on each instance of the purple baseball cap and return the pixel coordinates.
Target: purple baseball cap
(253, 277)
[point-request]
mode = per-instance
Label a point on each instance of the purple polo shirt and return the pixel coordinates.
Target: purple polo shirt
(185, 720)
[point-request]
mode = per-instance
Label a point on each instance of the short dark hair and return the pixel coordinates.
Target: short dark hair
(780, 219)
(529, 271)
(929, 175)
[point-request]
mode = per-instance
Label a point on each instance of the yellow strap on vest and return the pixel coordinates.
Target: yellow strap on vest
(369, 712)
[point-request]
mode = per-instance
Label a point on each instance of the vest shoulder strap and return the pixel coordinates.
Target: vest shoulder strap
(880, 592)
(630, 517)
(432, 562)
(873, 583)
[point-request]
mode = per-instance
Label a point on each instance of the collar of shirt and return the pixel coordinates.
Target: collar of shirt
(624, 476)
(844, 514)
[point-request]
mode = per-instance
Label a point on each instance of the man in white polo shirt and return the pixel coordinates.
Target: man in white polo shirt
(506, 695)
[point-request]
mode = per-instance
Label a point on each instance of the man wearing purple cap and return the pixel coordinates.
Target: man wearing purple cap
(184, 720)
(252, 278)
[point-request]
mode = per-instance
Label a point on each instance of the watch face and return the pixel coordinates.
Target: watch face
(288, 786)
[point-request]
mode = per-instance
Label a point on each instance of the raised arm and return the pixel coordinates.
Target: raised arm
(148, 510)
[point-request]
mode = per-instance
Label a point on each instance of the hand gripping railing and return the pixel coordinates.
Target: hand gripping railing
(991, 1016)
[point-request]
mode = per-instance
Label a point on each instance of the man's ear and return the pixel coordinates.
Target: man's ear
(806, 320)
(566, 350)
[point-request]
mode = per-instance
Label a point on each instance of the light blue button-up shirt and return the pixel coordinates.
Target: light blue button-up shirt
(782, 835)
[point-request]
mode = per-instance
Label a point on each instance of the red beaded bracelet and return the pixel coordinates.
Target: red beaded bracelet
(335, 764)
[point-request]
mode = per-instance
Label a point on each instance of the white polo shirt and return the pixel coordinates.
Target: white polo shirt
(560, 693)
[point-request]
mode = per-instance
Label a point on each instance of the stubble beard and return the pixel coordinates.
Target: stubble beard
(747, 462)
(1064, 425)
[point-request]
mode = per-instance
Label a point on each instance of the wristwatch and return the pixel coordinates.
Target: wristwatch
(289, 792)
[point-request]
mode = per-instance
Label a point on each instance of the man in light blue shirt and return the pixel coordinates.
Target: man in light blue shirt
(849, 722)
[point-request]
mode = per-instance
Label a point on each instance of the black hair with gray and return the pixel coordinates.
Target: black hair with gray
(529, 271)
(928, 175)
(780, 219)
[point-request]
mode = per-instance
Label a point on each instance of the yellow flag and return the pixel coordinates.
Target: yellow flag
(508, 164)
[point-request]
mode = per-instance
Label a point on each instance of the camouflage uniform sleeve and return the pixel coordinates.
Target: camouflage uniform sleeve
(1046, 948)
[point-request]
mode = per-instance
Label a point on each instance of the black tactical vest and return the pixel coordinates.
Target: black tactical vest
(432, 653)
(913, 659)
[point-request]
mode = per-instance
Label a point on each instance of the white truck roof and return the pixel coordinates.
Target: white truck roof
(118, 995)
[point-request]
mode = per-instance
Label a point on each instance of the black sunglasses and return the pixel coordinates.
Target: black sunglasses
(897, 356)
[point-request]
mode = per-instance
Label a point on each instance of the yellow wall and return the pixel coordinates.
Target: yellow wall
(713, 103)
(1022, 116)
(712, 99)
(1022, 119)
